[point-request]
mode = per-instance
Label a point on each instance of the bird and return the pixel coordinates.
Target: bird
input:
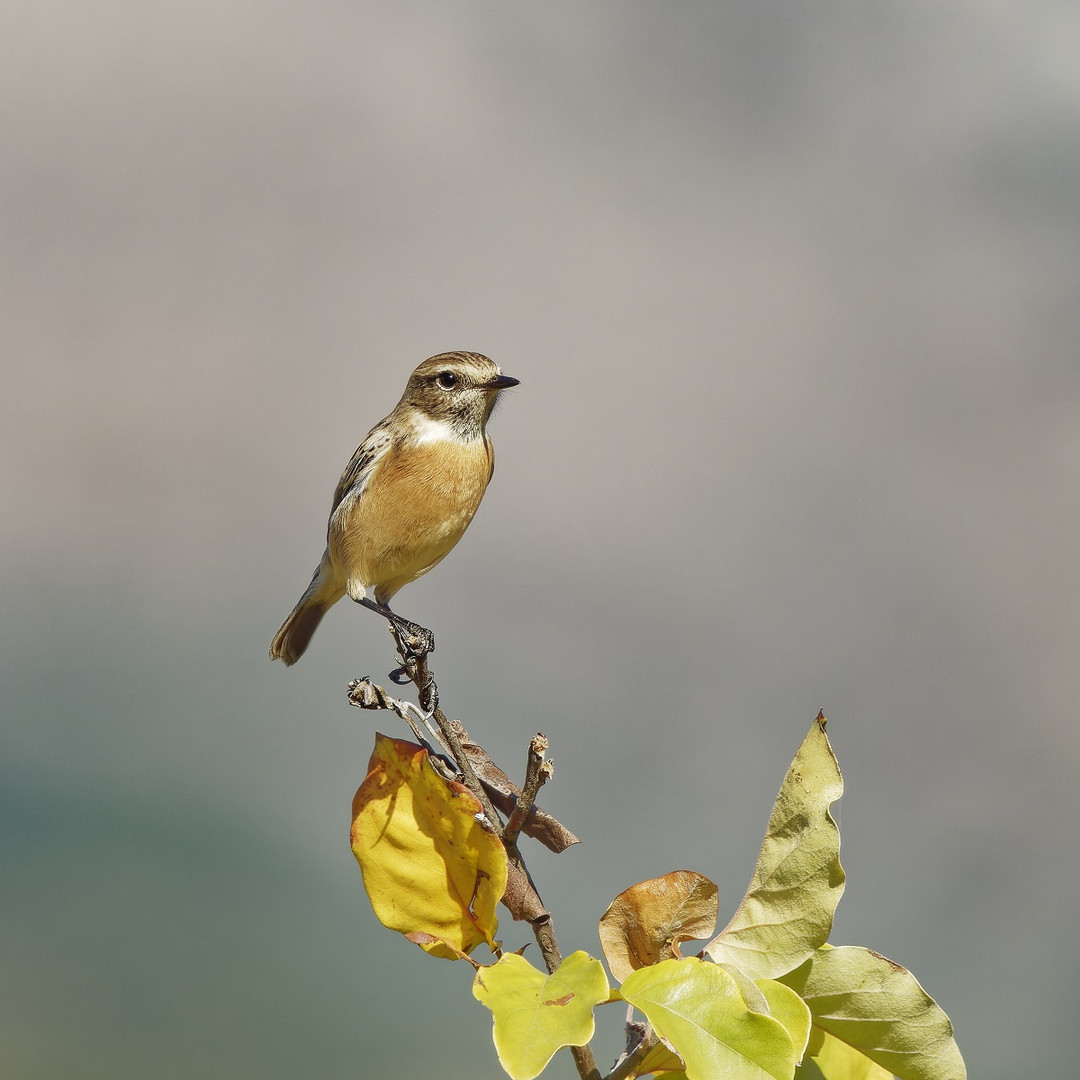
(406, 497)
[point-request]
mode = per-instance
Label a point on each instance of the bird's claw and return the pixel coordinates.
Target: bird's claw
(414, 641)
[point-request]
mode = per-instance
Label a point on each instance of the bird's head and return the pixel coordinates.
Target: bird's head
(457, 388)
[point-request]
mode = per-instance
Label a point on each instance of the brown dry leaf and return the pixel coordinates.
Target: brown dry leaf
(520, 896)
(646, 923)
(503, 792)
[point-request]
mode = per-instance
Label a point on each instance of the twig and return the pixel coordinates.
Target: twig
(585, 1060)
(504, 793)
(364, 694)
(628, 1065)
(640, 1039)
(537, 772)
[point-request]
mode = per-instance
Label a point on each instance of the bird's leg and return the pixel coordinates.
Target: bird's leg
(415, 639)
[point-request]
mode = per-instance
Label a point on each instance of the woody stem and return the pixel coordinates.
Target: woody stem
(528, 903)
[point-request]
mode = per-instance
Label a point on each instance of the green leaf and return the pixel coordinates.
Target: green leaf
(788, 909)
(697, 1008)
(879, 1010)
(790, 1009)
(536, 1014)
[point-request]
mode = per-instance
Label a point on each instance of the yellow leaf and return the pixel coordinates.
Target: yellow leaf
(838, 1061)
(788, 909)
(535, 1014)
(429, 867)
(659, 1059)
(790, 1009)
(646, 923)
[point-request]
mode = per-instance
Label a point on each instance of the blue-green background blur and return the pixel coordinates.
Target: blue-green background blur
(793, 293)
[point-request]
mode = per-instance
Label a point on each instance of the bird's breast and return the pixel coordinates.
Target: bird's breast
(418, 501)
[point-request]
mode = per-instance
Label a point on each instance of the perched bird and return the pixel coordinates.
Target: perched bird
(406, 497)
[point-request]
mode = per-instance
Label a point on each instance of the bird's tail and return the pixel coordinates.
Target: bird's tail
(292, 639)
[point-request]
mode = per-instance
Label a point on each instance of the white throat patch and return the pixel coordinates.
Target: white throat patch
(427, 430)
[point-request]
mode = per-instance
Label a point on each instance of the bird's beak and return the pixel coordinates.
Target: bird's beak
(502, 382)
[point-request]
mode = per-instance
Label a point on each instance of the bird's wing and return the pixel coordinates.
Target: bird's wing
(368, 454)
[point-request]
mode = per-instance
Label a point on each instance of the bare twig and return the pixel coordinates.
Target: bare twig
(585, 1061)
(628, 1064)
(504, 793)
(537, 772)
(640, 1039)
(365, 694)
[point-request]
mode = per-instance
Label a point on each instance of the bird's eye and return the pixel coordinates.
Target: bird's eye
(447, 380)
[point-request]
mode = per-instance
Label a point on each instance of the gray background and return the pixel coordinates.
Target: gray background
(792, 291)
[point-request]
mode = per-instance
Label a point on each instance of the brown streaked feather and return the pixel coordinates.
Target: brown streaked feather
(358, 471)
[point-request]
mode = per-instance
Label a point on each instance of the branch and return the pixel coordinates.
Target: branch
(521, 897)
(364, 694)
(640, 1039)
(504, 793)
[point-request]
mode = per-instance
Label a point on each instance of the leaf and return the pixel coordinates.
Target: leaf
(430, 869)
(646, 923)
(659, 1059)
(830, 1059)
(770, 998)
(790, 1009)
(788, 909)
(752, 997)
(696, 1006)
(878, 1009)
(536, 1014)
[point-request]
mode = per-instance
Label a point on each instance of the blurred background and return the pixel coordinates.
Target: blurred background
(792, 292)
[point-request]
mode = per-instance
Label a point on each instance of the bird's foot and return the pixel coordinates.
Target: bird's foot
(415, 641)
